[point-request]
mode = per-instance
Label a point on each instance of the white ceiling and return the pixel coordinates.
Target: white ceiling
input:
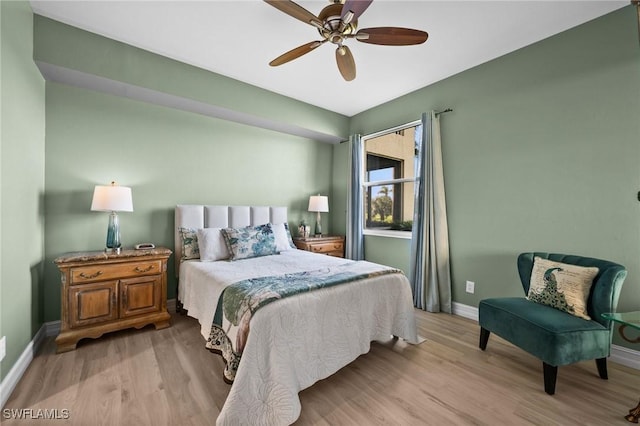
(239, 38)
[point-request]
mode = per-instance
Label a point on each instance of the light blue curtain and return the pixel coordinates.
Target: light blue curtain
(430, 272)
(355, 212)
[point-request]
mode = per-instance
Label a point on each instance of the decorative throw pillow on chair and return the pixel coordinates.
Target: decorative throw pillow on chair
(561, 286)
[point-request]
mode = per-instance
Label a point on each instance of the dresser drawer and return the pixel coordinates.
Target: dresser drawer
(329, 247)
(86, 274)
(332, 245)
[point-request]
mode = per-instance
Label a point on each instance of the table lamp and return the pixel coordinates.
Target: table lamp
(320, 204)
(112, 198)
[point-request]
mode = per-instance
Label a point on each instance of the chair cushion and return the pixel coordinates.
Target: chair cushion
(555, 337)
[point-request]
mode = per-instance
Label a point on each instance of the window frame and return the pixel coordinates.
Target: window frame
(367, 184)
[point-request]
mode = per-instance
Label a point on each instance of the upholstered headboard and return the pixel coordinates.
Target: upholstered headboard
(198, 216)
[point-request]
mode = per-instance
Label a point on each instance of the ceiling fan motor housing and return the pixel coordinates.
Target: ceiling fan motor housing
(332, 24)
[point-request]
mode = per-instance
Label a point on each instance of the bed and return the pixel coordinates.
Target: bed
(294, 341)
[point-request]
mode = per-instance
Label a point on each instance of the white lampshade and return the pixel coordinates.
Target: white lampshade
(319, 203)
(112, 198)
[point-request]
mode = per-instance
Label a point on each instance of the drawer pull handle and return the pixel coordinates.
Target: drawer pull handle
(147, 269)
(88, 277)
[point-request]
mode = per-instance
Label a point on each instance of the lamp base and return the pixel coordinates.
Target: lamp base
(113, 234)
(318, 230)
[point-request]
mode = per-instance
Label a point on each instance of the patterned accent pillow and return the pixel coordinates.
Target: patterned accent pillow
(250, 241)
(190, 248)
(561, 286)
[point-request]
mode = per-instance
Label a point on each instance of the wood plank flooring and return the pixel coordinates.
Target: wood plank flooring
(167, 377)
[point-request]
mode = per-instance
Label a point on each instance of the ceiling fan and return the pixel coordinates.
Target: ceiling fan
(338, 23)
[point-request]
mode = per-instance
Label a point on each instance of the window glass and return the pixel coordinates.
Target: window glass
(389, 179)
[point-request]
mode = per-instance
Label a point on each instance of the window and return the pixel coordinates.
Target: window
(389, 179)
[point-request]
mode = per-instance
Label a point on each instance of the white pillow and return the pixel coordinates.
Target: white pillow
(211, 244)
(281, 235)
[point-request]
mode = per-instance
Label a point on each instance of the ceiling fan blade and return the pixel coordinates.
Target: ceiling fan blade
(295, 53)
(346, 64)
(296, 11)
(356, 7)
(391, 36)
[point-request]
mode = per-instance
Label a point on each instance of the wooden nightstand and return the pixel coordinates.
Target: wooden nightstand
(332, 245)
(104, 292)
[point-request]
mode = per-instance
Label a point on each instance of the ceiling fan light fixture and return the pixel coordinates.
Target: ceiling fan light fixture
(348, 17)
(331, 18)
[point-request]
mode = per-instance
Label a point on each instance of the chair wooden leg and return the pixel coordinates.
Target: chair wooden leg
(601, 363)
(550, 373)
(484, 338)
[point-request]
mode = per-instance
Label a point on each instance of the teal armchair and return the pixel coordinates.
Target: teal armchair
(556, 337)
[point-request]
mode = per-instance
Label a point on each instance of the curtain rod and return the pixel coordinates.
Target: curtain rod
(405, 125)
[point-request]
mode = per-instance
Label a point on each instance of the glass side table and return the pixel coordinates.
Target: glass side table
(631, 320)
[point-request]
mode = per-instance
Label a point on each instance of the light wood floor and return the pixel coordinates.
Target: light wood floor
(167, 377)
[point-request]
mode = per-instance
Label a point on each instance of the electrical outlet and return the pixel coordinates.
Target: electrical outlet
(3, 347)
(471, 287)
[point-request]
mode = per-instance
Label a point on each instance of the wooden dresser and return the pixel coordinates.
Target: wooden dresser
(104, 292)
(332, 245)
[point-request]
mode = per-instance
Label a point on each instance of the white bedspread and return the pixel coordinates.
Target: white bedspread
(299, 340)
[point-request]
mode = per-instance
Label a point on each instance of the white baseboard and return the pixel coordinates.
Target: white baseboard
(465, 311)
(15, 374)
(52, 328)
(625, 356)
(619, 354)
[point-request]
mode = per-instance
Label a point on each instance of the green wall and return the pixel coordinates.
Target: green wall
(69, 47)
(22, 179)
(167, 157)
(540, 153)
